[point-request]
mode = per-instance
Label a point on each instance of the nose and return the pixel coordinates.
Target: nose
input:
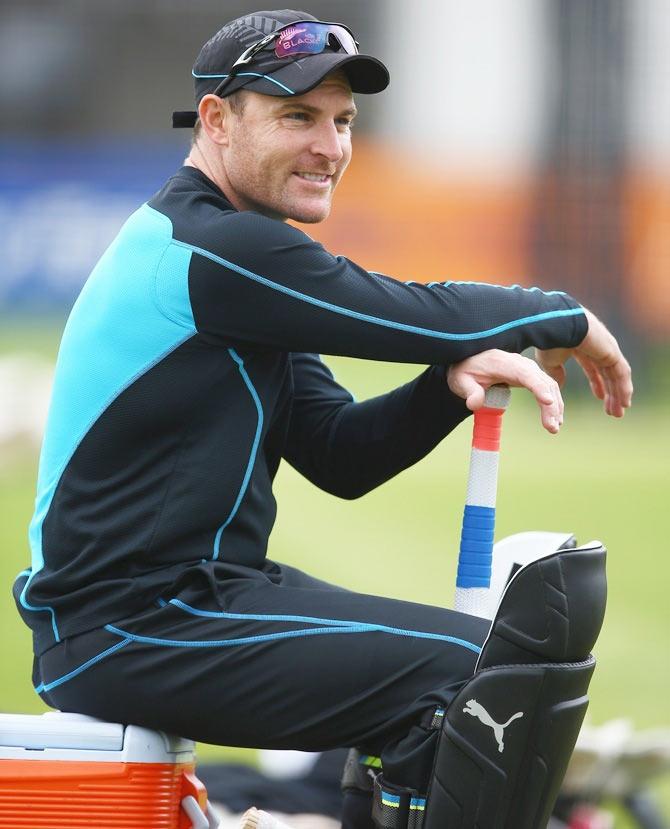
(327, 142)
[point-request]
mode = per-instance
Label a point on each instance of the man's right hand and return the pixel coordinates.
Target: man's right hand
(471, 377)
(603, 363)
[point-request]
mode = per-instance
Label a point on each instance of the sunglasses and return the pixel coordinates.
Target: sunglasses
(306, 37)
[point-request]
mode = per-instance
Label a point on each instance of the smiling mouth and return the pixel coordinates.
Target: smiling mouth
(318, 178)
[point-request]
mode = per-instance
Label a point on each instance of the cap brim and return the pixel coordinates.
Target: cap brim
(366, 75)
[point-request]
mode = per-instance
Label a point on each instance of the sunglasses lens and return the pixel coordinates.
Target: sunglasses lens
(311, 38)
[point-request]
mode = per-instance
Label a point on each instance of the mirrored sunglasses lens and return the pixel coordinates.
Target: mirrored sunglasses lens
(312, 38)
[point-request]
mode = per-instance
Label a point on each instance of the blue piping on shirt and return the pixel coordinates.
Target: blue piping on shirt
(347, 312)
(28, 606)
(252, 455)
(449, 282)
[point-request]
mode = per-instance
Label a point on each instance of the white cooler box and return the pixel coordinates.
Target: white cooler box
(64, 771)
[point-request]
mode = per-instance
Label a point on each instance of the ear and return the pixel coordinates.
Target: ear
(214, 114)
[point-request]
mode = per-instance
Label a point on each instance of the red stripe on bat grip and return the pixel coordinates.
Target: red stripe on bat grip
(487, 428)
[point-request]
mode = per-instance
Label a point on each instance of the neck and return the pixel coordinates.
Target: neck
(213, 167)
(214, 170)
(196, 158)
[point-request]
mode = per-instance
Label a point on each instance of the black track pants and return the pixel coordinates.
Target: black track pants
(274, 659)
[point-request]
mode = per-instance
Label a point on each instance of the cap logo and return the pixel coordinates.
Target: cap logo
(295, 36)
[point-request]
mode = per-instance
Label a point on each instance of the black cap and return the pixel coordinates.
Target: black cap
(269, 74)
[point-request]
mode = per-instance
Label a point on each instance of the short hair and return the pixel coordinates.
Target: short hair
(236, 100)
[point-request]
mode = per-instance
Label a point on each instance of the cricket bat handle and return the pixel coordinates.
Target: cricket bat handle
(475, 557)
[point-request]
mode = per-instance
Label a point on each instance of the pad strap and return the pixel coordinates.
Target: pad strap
(394, 807)
(359, 771)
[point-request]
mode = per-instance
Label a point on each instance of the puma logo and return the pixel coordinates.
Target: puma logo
(474, 709)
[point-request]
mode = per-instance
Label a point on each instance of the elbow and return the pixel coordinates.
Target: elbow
(351, 494)
(346, 487)
(349, 490)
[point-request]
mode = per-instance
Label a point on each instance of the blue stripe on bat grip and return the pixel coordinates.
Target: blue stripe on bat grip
(474, 549)
(475, 554)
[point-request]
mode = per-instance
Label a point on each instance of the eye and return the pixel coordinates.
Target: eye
(345, 123)
(297, 116)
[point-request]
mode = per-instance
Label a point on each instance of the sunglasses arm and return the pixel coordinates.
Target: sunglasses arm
(248, 54)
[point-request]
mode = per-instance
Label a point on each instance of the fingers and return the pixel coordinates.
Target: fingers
(620, 385)
(618, 388)
(547, 393)
(608, 371)
(470, 378)
(612, 383)
(516, 370)
(596, 381)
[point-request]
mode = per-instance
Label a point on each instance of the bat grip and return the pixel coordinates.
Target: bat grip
(488, 420)
(476, 550)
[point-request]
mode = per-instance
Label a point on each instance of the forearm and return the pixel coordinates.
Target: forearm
(365, 444)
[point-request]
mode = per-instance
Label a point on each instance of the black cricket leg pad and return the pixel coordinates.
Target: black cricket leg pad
(551, 611)
(505, 745)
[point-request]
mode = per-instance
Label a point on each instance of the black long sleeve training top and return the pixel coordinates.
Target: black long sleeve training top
(189, 367)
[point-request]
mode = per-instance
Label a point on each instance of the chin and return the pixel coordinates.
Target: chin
(310, 219)
(310, 216)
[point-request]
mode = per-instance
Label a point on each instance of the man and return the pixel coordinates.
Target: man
(189, 368)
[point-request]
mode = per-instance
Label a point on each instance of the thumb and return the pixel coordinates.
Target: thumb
(464, 385)
(558, 373)
(475, 395)
(552, 362)
(555, 369)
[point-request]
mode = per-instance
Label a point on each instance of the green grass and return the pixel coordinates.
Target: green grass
(599, 478)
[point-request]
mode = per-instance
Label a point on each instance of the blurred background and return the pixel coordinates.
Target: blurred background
(520, 141)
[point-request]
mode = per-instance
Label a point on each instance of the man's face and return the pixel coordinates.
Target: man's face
(285, 156)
